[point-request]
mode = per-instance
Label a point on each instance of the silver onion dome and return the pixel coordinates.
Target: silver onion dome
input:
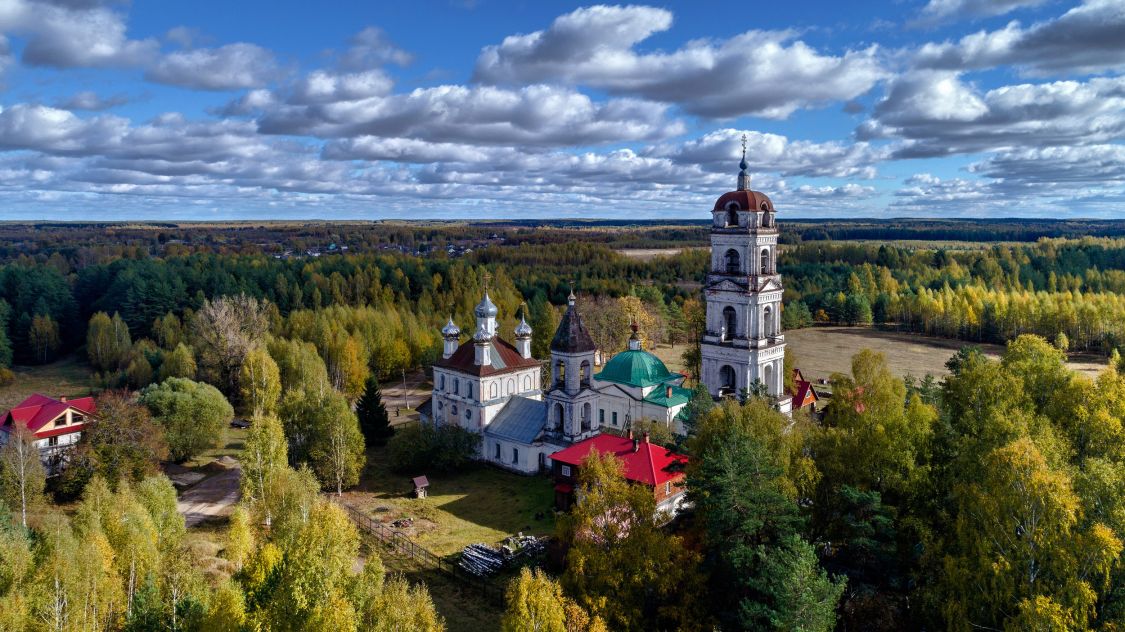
(451, 330)
(523, 330)
(486, 308)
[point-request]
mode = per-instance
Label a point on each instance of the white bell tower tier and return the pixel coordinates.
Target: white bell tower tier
(742, 343)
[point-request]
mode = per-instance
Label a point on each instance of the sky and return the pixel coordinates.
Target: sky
(472, 109)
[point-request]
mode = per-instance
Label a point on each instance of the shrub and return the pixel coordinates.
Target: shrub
(434, 448)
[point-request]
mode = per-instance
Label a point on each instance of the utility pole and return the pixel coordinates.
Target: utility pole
(405, 397)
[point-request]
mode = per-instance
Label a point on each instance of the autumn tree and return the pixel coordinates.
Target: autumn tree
(622, 566)
(264, 454)
(121, 442)
(260, 383)
(337, 448)
(43, 338)
(107, 342)
(22, 476)
(178, 362)
(535, 602)
(1019, 542)
(224, 331)
(194, 415)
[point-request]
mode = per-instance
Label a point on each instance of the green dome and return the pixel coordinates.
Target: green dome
(635, 368)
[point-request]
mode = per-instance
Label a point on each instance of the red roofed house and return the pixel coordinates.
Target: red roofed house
(803, 393)
(56, 423)
(643, 463)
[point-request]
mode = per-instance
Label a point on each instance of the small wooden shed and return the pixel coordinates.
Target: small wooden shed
(420, 485)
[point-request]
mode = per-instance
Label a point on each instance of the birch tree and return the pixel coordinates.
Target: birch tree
(22, 476)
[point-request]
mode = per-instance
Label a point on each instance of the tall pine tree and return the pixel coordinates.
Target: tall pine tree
(374, 422)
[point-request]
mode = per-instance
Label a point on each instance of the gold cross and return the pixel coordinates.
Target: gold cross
(487, 278)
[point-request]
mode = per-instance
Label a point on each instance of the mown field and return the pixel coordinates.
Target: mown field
(822, 351)
(68, 376)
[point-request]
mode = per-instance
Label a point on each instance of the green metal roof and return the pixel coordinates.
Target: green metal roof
(679, 396)
(635, 368)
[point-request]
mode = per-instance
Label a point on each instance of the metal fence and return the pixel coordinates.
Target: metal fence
(398, 543)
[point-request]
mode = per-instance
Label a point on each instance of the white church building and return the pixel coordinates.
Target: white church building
(490, 386)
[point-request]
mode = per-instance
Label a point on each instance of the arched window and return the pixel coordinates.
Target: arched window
(584, 373)
(726, 380)
(730, 320)
(511, 387)
(732, 214)
(493, 391)
(442, 384)
(768, 374)
(587, 416)
(765, 262)
(732, 261)
(560, 372)
(559, 417)
(456, 386)
(767, 322)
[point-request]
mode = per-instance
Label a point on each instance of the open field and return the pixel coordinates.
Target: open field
(68, 376)
(822, 351)
(646, 254)
(481, 504)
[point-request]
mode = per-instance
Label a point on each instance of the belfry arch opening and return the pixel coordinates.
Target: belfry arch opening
(726, 380)
(732, 214)
(767, 322)
(732, 261)
(730, 323)
(764, 264)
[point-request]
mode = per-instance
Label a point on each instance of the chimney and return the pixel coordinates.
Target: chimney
(668, 392)
(645, 436)
(636, 445)
(62, 398)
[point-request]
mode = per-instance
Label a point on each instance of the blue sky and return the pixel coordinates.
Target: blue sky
(485, 109)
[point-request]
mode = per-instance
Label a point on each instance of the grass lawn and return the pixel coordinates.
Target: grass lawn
(481, 504)
(68, 376)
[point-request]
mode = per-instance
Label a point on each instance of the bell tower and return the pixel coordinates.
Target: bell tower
(743, 348)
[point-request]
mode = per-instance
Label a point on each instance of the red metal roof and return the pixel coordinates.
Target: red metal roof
(651, 464)
(37, 411)
(747, 201)
(505, 359)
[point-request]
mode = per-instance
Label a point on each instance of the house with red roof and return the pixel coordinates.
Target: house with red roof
(56, 423)
(803, 393)
(642, 462)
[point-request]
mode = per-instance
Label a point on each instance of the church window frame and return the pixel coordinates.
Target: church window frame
(515, 455)
(441, 382)
(564, 470)
(497, 451)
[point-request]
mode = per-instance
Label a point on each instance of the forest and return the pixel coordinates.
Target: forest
(991, 498)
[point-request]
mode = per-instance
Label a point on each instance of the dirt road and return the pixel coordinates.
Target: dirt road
(210, 498)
